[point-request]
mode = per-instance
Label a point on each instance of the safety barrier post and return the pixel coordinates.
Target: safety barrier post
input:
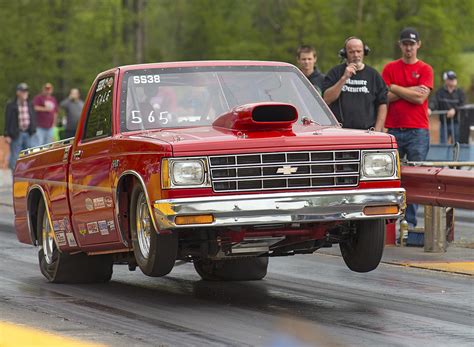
(438, 223)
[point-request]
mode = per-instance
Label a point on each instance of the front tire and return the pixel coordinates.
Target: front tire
(155, 253)
(239, 269)
(60, 267)
(363, 252)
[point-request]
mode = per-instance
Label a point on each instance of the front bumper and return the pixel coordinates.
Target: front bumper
(257, 209)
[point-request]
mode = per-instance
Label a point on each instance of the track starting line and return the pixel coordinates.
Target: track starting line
(12, 335)
(459, 267)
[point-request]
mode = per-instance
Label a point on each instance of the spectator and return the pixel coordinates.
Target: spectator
(470, 91)
(307, 58)
(448, 98)
(355, 92)
(409, 81)
(20, 123)
(46, 108)
(73, 108)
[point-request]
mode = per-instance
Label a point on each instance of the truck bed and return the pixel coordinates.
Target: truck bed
(46, 167)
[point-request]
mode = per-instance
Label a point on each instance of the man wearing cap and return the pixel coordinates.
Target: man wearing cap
(448, 98)
(409, 82)
(20, 123)
(46, 107)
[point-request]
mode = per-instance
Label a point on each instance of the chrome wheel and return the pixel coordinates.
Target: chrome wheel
(154, 253)
(48, 239)
(143, 223)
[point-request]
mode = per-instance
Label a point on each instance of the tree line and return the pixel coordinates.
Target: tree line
(67, 42)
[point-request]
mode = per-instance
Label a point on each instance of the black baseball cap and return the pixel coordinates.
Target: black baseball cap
(22, 86)
(409, 34)
(449, 75)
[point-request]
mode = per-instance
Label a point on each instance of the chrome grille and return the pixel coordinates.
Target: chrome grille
(287, 170)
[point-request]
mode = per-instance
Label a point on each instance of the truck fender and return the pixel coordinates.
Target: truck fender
(35, 194)
(125, 180)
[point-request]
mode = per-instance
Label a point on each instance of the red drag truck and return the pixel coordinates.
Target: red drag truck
(223, 164)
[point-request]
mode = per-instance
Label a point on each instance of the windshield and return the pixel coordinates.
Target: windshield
(186, 97)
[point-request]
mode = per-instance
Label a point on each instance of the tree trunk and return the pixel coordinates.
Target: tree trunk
(62, 13)
(360, 16)
(139, 29)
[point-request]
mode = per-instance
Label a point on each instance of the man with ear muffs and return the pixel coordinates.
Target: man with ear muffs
(356, 92)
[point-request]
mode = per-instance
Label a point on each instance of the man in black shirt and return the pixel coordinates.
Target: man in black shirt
(448, 98)
(355, 92)
(307, 58)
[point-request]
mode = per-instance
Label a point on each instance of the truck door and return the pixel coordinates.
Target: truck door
(90, 180)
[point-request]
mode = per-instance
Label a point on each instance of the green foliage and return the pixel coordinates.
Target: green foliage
(69, 42)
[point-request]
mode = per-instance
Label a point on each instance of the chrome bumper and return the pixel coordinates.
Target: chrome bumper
(254, 209)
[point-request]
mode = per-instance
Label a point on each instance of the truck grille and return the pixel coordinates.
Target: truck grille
(284, 170)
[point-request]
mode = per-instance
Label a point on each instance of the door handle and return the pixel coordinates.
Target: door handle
(77, 154)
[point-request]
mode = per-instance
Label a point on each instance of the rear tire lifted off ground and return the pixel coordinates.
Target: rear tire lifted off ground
(60, 267)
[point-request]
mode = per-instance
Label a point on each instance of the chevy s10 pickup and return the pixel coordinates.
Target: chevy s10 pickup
(223, 164)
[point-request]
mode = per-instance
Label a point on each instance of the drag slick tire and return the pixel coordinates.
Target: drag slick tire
(239, 269)
(60, 267)
(155, 253)
(363, 252)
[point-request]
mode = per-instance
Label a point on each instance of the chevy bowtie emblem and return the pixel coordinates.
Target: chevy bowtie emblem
(287, 170)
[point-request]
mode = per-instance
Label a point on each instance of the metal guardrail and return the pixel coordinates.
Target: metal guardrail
(440, 189)
(462, 124)
(438, 186)
(465, 121)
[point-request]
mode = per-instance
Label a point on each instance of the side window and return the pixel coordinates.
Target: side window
(99, 119)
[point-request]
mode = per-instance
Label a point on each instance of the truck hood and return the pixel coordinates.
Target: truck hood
(213, 140)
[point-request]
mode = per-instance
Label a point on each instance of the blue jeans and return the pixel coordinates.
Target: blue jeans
(43, 136)
(446, 130)
(23, 141)
(414, 145)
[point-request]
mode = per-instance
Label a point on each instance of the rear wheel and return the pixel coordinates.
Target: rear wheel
(60, 267)
(238, 269)
(363, 252)
(155, 253)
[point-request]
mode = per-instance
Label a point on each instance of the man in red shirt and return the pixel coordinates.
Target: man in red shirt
(409, 82)
(46, 107)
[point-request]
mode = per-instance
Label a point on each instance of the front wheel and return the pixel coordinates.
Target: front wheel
(60, 267)
(155, 253)
(363, 252)
(238, 269)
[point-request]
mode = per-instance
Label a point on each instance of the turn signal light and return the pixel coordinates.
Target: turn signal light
(165, 175)
(380, 210)
(199, 219)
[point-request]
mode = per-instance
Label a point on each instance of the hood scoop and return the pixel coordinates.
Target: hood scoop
(258, 117)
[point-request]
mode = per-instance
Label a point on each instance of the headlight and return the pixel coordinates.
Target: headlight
(184, 173)
(187, 173)
(377, 165)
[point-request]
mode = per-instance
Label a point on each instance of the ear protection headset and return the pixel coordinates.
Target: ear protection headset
(343, 53)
